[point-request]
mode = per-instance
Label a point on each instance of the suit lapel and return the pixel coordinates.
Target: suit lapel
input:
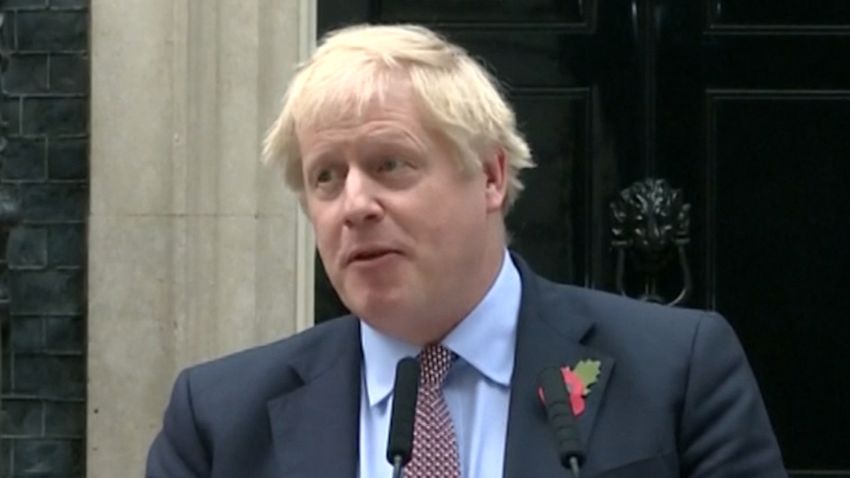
(315, 427)
(549, 334)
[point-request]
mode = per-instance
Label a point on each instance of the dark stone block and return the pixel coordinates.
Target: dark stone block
(63, 333)
(61, 376)
(55, 116)
(12, 115)
(4, 301)
(54, 202)
(52, 30)
(27, 334)
(48, 457)
(26, 74)
(9, 30)
(24, 3)
(65, 418)
(47, 292)
(6, 449)
(66, 245)
(69, 73)
(68, 159)
(48, 40)
(6, 380)
(22, 417)
(24, 158)
(69, 3)
(27, 247)
(4, 334)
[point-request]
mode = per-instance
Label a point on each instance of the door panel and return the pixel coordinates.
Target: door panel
(539, 68)
(781, 13)
(781, 221)
(486, 12)
(554, 207)
(752, 123)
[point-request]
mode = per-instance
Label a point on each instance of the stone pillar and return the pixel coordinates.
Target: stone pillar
(195, 248)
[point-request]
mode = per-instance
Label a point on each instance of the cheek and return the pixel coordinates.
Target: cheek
(452, 229)
(326, 234)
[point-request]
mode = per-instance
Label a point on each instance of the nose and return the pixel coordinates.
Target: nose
(360, 202)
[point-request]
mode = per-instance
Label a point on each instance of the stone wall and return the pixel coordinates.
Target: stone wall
(45, 101)
(195, 249)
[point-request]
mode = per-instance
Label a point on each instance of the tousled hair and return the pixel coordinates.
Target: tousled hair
(353, 67)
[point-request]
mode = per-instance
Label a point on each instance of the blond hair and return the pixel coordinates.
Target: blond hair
(354, 66)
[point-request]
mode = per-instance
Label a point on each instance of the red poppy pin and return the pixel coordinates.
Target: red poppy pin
(579, 379)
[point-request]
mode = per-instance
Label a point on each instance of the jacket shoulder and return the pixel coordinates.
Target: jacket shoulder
(632, 330)
(619, 311)
(269, 369)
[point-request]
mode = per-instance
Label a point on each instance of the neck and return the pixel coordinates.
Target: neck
(493, 257)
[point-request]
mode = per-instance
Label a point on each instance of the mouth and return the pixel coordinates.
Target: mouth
(369, 255)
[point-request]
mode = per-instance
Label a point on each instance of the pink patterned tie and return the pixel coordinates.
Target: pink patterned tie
(435, 452)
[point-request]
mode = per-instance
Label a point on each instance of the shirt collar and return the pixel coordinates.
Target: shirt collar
(486, 339)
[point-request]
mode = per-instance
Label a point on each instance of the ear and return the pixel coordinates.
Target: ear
(495, 166)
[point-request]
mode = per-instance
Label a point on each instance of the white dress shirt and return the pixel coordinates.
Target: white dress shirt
(477, 388)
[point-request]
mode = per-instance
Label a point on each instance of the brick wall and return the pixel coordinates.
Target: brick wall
(45, 102)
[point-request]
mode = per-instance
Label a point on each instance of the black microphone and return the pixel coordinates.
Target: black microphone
(561, 418)
(400, 441)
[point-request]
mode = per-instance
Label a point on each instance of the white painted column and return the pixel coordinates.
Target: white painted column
(195, 249)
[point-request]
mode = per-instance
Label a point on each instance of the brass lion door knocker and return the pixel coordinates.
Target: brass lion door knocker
(651, 226)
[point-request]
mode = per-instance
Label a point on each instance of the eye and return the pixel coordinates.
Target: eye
(324, 176)
(388, 165)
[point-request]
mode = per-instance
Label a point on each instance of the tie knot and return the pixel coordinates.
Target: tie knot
(434, 362)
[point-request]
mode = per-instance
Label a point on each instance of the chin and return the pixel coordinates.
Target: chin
(382, 311)
(379, 310)
(371, 295)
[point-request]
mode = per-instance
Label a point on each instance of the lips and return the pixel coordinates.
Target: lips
(368, 254)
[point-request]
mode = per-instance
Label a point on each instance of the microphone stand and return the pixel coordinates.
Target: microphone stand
(574, 467)
(397, 466)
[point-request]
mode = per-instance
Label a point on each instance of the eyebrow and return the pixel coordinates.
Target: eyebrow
(396, 136)
(385, 135)
(316, 156)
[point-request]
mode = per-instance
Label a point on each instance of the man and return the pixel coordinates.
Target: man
(406, 158)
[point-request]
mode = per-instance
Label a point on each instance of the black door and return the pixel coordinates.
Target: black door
(744, 107)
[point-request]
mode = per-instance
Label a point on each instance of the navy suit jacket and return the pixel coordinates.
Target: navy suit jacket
(675, 398)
